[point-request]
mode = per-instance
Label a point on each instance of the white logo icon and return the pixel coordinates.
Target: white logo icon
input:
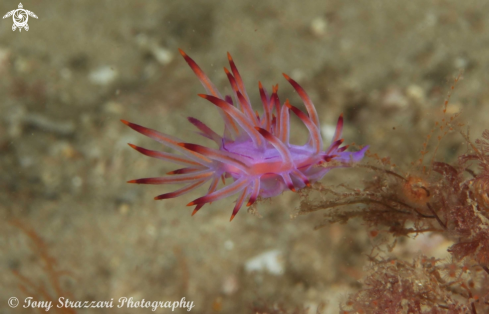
(20, 17)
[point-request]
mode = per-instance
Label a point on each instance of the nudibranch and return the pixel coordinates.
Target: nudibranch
(254, 149)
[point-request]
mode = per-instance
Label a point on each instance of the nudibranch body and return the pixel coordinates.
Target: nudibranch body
(254, 150)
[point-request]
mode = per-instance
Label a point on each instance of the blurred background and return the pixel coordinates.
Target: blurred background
(84, 65)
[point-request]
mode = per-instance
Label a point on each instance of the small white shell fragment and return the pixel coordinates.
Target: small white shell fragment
(319, 26)
(416, 93)
(103, 75)
(162, 55)
(269, 261)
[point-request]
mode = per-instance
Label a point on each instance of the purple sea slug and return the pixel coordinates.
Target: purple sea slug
(254, 150)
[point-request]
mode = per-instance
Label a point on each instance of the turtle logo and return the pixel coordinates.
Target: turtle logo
(20, 17)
